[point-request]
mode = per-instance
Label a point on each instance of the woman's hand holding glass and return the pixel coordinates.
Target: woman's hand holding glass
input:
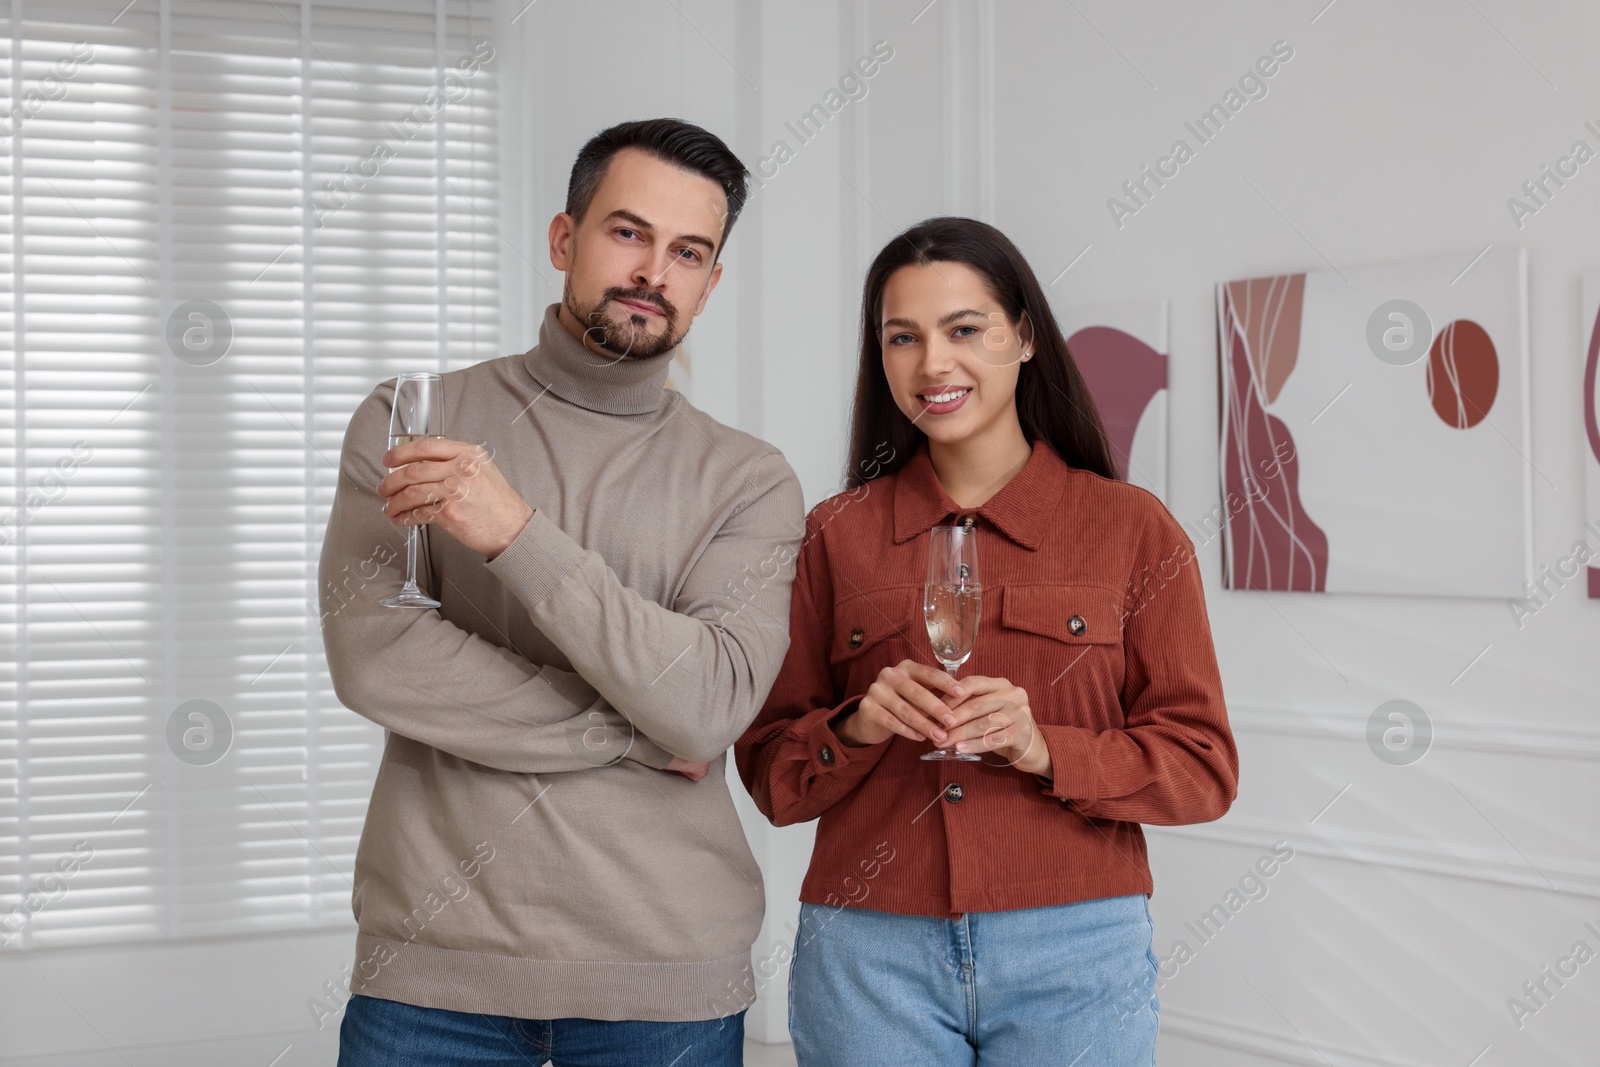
(901, 700)
(995, 717)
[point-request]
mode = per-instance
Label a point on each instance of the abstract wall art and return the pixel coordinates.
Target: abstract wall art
(1374, 430)
(1120, 347)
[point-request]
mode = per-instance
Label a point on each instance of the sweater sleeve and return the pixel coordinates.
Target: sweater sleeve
(1174, 761)
(790, 760)
(421, 676)
(691, 676)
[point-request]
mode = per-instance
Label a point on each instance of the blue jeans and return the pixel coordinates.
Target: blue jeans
(1071, 984)
(386, 1033)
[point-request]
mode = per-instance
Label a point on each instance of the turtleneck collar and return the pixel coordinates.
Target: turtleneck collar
(595, 380)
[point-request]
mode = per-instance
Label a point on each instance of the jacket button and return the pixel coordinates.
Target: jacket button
(855, 638)
(953, 793)
(1077, 625)
(825, 754)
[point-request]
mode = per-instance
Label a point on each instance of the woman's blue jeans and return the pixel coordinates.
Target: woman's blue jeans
(1071, 985)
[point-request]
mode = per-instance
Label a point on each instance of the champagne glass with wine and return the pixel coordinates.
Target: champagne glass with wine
(418, 413)
(951, 602)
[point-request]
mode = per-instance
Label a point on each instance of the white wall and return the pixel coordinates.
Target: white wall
(1423, 896)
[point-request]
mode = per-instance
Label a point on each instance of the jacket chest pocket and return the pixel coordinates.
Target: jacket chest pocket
(1082, 623)
(876, 629)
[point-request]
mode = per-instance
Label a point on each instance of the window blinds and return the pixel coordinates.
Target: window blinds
(226, 221)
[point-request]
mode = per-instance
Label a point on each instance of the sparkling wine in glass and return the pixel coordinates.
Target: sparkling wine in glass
(418, 413)
(951, 603)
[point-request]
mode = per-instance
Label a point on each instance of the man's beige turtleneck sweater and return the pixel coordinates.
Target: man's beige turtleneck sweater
(525, 853)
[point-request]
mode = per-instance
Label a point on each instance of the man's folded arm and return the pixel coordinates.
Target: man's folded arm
(692, 677)
(425, 678)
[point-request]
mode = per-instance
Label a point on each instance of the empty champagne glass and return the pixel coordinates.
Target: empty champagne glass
(418, 412)
(951, 603)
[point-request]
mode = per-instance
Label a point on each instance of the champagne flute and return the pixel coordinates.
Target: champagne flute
(952, 599)
(418, 413)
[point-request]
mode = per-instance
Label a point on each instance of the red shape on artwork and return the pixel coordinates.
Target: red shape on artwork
(1271, 543)
(1463, 374)
(1123, 375)
(1591, 425)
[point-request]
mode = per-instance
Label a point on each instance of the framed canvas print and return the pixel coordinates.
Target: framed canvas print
(1591, 418)
(1374, 431)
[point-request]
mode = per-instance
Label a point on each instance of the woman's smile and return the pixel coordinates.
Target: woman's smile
(942, 400)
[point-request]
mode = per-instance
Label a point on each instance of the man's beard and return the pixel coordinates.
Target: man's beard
(629, 336)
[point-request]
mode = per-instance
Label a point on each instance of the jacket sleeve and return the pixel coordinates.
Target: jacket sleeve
(692, 676)
(790, 760)
(1174, 761)
(421, 676)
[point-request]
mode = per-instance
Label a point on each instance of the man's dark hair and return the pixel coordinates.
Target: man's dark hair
(671, 140)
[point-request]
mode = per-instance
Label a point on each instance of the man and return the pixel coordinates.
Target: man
(548, 872)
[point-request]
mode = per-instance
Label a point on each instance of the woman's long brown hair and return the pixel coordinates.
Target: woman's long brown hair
(1053, 402)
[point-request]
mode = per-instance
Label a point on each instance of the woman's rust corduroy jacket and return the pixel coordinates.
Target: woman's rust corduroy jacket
(1092, 602)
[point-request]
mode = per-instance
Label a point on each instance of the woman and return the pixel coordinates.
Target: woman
(991, 912)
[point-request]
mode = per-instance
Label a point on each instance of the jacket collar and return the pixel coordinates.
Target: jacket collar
(1021, 509)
